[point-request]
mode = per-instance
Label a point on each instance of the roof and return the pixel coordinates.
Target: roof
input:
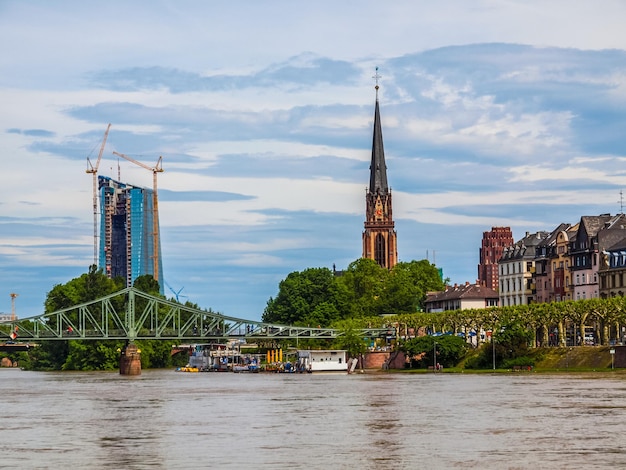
(594, 223)
(524, 248)
(378, 168)
(464, 291)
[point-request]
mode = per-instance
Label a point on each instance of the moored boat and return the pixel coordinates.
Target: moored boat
(187, 368)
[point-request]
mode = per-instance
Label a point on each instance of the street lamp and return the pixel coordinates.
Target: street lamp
(435, 356)
(493, 349)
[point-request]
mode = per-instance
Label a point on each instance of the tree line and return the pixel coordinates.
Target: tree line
(362, 296)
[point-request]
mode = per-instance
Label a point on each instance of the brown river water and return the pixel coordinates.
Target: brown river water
(175, 420)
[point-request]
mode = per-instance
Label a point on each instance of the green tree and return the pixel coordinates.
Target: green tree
(85, 288)
(426, 351)
(364, 283)
(146, 283)
(311, 297)
(407, 285)
(350, 340)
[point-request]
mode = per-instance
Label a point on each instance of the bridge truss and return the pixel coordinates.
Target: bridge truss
(132, 315)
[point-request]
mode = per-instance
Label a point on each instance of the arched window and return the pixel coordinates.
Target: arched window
(380, 250)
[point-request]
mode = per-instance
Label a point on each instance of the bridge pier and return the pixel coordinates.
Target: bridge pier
(130, 360)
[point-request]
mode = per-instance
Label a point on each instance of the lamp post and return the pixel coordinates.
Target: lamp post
(493, 349)
(435, 356)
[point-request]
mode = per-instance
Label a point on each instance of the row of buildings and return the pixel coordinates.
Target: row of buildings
(581, 261)
(578, 261)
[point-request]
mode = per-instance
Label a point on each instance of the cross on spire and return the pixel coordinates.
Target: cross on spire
(376, 76)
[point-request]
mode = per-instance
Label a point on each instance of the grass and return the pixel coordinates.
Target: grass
(570, 359)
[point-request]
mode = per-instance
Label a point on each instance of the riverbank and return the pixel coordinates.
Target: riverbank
(569, 359)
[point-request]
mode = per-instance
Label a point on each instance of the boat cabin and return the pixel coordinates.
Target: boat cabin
(323, 360)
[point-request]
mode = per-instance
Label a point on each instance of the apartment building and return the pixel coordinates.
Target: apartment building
(516, 268)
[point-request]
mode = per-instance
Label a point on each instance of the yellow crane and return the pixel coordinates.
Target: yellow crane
(94, 171)
(158, 168)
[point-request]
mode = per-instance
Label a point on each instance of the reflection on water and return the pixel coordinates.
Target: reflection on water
(164, 419)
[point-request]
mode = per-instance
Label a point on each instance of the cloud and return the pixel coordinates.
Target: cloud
(502, 114)
(300, 72)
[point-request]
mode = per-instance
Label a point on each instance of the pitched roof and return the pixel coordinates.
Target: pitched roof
(524, 248)
(594, 223)
(464, 291)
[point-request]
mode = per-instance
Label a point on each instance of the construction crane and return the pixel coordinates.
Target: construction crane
(94, 171)
(13, 315)
(158, 168)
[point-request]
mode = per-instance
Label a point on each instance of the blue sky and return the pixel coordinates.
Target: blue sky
(494, 113)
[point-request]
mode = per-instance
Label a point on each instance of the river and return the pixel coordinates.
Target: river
(166, 420)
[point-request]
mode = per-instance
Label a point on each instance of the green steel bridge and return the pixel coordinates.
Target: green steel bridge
(134, 315)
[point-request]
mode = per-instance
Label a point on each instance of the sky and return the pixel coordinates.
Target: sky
(494, 113)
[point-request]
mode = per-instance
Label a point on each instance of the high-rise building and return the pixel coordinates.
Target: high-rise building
(128, 229)
(493, 245)
(379, 236)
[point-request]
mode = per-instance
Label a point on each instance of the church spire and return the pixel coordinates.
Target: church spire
(378, 168)
(379, 236)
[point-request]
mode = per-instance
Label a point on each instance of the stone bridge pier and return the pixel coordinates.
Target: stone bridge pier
(130, 360)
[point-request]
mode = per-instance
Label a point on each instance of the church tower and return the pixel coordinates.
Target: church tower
(379, 236)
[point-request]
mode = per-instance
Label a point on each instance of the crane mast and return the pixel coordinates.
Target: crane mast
(94, 171)
(158, 168)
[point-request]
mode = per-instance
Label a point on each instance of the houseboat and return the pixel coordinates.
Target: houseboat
(322, 360)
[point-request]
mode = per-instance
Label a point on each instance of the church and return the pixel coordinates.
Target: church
(379, 236)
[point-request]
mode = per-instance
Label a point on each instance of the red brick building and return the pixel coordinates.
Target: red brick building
(493, 245)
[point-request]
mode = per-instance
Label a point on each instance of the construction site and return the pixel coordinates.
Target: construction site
(126, 232)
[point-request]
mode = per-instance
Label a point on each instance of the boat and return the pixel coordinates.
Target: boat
(324, 360)
(187, 368)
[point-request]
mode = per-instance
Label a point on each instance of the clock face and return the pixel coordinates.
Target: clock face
(378, 211)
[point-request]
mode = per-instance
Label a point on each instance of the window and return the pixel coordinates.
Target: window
(380, 250)
(578, 279)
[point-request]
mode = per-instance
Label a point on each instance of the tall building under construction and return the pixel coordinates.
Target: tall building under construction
(129, 232)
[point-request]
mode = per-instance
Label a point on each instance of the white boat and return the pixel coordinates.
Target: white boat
(322, 360)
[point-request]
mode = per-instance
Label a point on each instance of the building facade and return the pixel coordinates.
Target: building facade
(461, 297)
(129, 232)
(516, 268)
(591, 239)
(612, 271)
(493, 244)
(379, 236)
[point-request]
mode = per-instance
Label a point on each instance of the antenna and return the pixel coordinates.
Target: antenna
(621, 201)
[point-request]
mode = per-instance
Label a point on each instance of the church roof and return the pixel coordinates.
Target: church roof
(378, 168)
